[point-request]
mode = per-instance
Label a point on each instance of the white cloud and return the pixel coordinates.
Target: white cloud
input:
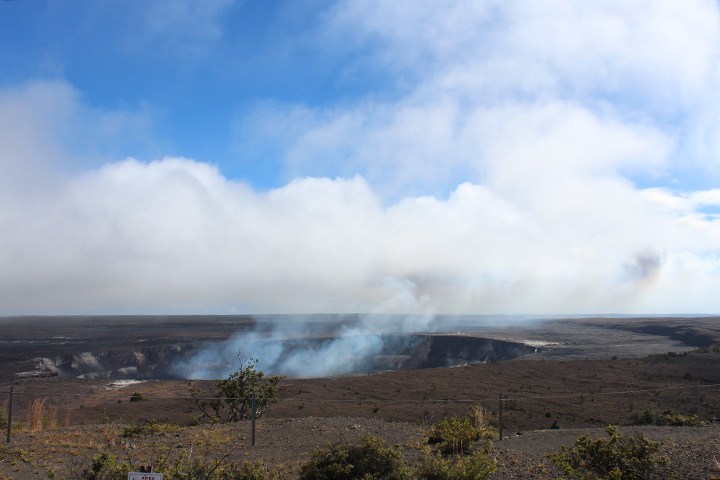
(28, 114)
(193, 20)
(175, 235)
(622, 75)
(501, 179)
(708, 197)
(49, 129)
(187, 29)
(665, 48)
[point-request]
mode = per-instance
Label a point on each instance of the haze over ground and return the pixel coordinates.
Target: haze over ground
(359, 156)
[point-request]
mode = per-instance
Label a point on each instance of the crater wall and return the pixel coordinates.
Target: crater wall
(399, 352)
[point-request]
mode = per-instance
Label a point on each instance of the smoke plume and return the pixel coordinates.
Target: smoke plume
(307, 350)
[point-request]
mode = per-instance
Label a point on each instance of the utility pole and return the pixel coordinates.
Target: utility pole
(10, 405)
(252, 432)
(698, 403)
(501, 415)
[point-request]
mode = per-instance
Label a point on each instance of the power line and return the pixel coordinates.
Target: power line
(361, 400)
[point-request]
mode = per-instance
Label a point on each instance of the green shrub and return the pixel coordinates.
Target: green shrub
(459, 434)
(218, 470)
(371, 459)
(252, 471)
(668, 417)
(617, 458)
(12, 455)
(715, 348)
(232, 401)
(106, 467)
(455, 435)
(469, 467)
(150, 427)
(137, 397)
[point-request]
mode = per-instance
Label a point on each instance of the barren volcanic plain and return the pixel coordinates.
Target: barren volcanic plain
(575, 375)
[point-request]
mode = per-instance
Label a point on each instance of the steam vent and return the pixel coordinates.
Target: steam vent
(394, 352)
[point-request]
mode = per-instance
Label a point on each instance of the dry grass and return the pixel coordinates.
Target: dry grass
(41, 415)
(66, 418)
(284, 443)
(35, 414)
(51, 419)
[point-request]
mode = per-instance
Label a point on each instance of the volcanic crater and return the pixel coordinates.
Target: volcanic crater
(397, 352)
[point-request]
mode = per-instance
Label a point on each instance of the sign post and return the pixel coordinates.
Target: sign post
(144, 476)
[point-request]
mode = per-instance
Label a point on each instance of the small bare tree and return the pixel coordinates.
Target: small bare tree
(232, 401)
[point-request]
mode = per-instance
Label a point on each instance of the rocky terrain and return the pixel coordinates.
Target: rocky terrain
(283, 444)
(584, 375)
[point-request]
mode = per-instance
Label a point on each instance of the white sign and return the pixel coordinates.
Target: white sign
(144, 476)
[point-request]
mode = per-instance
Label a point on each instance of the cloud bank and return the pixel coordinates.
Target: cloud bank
(175, 234)
(524, 159)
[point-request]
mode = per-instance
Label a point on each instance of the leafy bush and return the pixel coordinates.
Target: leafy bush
(218, 470)
(668, 417)
(469, 467)
(150, 427)
(459, 434)
(454, 434)
(371, 459)
(137, 397)
(232, 400)
(13, 455)
(715, 348)
(252, 471)
(106, 467)
(617, 458)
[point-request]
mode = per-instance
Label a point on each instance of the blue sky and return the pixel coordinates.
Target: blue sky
(193, 68)
(223, 156)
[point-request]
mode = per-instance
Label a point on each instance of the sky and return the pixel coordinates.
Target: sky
(359, 156)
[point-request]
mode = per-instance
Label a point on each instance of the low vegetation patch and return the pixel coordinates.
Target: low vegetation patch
(233, 399)
(370, 459)
(106, 466)
(436, 466)
(459, 434)
(149, 428)
(137, 397)
(714, 348)
(615, 458)
(668, 417)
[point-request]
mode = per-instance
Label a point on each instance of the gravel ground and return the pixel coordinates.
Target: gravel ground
(692, 451)
(283, 444)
